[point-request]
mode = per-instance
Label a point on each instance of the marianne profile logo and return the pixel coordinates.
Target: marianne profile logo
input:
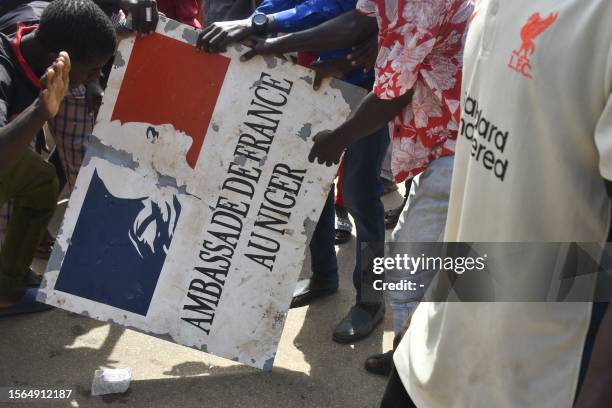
(536, 25)
(118, 248)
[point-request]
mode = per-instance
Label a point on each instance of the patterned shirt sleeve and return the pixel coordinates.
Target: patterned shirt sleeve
(404, 47)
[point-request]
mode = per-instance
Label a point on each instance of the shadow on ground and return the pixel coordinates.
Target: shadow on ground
(62, 350)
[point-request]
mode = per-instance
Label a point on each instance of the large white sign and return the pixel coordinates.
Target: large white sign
(191, 214)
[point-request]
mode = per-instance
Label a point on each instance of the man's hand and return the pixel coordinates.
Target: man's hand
(217, 36)
(54, 85)
(261, 46)
(328, 148)
(334, 68)
(364, 54)
(144, 14)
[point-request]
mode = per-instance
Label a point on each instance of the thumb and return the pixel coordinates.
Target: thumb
(319, 69)
(312, 155)
(248, 55)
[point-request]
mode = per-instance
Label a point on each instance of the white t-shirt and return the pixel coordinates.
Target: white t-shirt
(533, 150)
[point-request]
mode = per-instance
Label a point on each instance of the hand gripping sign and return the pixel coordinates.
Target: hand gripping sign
(191, 214)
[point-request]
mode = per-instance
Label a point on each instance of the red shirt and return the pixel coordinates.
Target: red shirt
(420, 49)
(184, 11)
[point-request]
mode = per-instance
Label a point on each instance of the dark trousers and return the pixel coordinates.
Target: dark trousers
(362, 188)
(31, 184)
(395, 394)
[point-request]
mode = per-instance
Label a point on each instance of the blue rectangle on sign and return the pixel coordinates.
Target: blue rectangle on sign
(118, 248)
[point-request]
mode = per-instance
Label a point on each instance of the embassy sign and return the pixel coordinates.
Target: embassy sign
(191, 214)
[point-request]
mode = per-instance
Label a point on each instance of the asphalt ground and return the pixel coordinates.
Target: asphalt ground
(61, 350)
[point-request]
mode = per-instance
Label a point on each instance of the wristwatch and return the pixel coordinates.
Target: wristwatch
(259, 21)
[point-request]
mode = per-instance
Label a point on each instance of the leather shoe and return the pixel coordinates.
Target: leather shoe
(360, 321)
(308, 290)
(380, 364)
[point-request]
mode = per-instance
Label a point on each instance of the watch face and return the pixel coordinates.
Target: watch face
(260, 19)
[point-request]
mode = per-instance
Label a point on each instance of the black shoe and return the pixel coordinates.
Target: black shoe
(308, 290)
(360, 321)
(380, 364)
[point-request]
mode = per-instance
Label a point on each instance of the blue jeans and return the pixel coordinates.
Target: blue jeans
(363, 190)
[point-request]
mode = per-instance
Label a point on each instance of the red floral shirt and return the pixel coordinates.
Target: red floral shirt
(420, 48)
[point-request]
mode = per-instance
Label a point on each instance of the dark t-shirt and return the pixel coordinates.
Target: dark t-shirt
(17, 92)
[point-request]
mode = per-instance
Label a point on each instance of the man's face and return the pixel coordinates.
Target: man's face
(84, 72)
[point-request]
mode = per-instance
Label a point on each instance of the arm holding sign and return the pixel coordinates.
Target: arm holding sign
(277, 16)
(371, 114)
(290, 16)
(362, 55)
(343, 31)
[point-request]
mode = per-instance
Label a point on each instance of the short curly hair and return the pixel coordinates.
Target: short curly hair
(78, 27)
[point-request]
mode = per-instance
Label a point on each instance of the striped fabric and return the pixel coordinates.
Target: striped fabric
(71, 129)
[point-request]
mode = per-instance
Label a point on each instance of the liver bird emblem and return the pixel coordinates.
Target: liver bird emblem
(535, 26)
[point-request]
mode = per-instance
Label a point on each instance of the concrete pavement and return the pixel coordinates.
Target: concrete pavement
(58, 349)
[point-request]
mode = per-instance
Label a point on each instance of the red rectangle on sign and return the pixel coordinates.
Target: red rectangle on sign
(170, 82)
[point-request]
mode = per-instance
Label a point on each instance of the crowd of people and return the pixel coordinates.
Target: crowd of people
(497, 116)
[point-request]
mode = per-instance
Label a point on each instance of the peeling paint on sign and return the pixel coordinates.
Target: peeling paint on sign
(305, 131)
(307, 79)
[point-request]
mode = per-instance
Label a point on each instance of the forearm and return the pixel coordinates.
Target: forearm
(343, 31)
(372, 114)
(17, 135)
(305, 14)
